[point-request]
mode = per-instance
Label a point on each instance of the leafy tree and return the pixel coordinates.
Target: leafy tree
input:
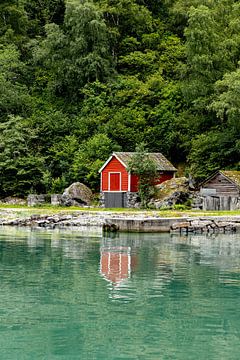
(146, 170)
(21, 168)
(43, 12)
(78, 52)
(213, 151)
(80, 79)
(13, 22)
(14, 96)
(227, 101)
(89, 158)
(60, 160)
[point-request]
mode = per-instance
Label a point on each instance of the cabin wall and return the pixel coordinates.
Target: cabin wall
(114, 166)
(134, 183)
(163, 176)
(220, 186)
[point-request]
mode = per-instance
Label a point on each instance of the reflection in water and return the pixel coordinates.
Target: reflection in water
(115, 263)
(65, 295)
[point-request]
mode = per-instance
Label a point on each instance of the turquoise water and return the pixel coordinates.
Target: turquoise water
(66, 295)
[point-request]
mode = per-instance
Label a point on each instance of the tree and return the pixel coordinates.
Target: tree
(146, 170)
(89, 158)
(21, 168)
(14, 96)
(213, 151)
(13, 22)
(78, 52)
(227, 101)
(43, 12)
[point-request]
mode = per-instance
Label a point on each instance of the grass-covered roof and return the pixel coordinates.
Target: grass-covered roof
(233, 175)
(159, 159)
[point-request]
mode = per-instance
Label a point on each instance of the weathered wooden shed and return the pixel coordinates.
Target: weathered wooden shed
(119, 187)
(221, 191)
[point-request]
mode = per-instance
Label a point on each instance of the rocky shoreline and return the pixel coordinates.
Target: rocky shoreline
(113, 222)
(208, 225)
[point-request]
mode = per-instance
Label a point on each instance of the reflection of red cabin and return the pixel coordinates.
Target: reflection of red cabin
(115, 264)
(117, 181)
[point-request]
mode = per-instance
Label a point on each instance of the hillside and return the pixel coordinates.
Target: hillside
(80, 79)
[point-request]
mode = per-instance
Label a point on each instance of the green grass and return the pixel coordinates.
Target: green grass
(54, 208)
(22, 210)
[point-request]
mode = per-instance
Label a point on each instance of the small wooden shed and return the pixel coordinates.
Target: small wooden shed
(221, 191)
(118, 186)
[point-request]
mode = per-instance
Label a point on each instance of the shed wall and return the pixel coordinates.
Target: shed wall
(134, 183)
(222, 185)
(162, 177)
(114, 165)
(165, 176)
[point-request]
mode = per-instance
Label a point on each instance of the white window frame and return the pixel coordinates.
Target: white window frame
(129, 182)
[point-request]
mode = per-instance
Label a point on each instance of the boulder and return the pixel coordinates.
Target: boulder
(171, 192)
(168, 187)
(77, 194)
(10, 200)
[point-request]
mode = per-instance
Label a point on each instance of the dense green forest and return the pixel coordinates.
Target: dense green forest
(80, 79)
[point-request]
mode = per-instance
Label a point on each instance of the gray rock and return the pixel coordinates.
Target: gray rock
(176, 198)
(77, 194)
(11, 200)
(56, 199)
(33, 199)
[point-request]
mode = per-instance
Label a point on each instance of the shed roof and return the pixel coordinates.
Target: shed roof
(161, 162)
(232, 175)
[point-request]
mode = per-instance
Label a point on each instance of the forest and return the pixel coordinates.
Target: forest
(81, 79)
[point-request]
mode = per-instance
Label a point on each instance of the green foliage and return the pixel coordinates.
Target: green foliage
(227, 101)
(146, 170)
(78, 52)
(80, 79)
(14, 97)
(89, 158)
(21, 168)
(58, 185)
(213, 151)
(13, 22)
(43, 12)
(181, 207)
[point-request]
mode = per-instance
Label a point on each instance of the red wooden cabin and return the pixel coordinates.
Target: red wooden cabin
(116, 181)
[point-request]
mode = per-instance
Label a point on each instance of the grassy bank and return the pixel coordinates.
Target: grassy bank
(24, 211)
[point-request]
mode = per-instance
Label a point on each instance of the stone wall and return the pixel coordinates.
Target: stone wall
(132, 199)
(33, 199)
(214, 224)
(56, 199)
(101, 199)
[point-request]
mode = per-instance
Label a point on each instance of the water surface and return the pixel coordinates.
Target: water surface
(70, 295)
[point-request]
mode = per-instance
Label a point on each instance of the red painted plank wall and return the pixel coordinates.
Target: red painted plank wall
(163, 177)
(114, 166)
(134, 183)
